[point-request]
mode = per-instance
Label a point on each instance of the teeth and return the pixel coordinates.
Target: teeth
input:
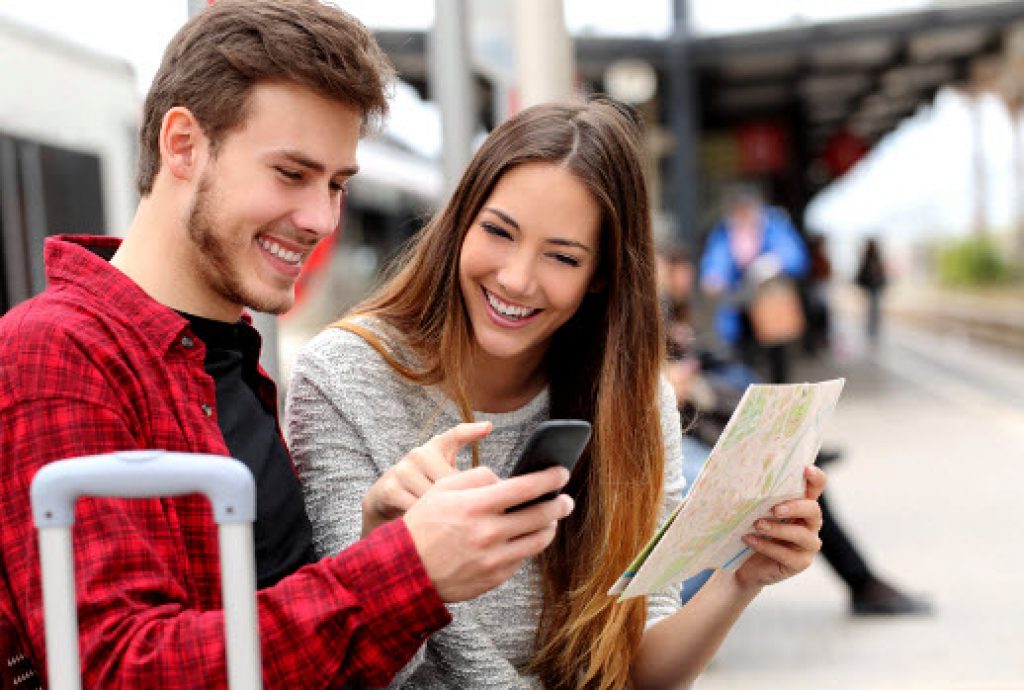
(508, 310)
(279, 251)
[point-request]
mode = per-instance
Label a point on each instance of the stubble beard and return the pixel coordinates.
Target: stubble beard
(214, 256)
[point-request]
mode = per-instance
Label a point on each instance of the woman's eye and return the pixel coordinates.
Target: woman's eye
(496, 230)
(289, 174)
(566, 259)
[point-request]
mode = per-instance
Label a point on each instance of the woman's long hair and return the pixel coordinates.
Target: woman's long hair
(602, 366)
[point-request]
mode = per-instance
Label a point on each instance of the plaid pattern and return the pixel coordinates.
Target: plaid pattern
(95, 365)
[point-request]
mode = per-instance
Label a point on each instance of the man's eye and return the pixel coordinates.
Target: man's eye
(496, 230)
(290, 174)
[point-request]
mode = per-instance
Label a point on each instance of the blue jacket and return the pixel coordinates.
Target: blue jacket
(779, 238)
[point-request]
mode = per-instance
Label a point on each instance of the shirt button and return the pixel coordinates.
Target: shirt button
(207, 410)
(186, 341)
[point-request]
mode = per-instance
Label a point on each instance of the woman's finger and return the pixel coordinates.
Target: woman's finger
(790, 560)
(794, 534)
(803, 509)
(413, 480)
(816, 480)
(428, 461)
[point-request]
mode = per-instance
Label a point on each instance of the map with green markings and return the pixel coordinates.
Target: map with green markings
(758, 462)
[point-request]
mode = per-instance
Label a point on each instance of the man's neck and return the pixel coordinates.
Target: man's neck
(158, 257)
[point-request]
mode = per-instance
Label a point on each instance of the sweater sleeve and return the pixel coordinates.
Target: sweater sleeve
(666, 602)
(329, 421)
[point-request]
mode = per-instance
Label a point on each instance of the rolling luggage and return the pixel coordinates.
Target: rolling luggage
(226, 482)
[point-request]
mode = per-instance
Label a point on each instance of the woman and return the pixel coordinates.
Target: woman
(530, 296)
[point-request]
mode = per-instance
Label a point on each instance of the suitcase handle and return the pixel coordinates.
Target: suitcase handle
(143, 474)
(226, 482)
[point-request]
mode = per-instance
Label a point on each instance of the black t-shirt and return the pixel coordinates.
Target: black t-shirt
(282, 532)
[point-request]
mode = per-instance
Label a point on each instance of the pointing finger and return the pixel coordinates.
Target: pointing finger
(451, 442)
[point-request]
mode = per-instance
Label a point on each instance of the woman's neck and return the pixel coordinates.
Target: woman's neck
(503, 385)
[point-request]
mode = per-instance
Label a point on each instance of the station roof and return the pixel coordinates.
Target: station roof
(862, 74)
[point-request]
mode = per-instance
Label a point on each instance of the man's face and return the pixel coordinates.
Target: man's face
(271, 193)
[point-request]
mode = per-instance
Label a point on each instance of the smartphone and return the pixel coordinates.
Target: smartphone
(554, 442)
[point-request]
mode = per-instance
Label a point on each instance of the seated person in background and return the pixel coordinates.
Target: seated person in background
(530, 296)
(248, 140)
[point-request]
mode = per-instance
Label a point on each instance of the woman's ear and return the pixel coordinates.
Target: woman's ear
(181, 139)
(598, 283)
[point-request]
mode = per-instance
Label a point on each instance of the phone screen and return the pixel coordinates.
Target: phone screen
(554, 442)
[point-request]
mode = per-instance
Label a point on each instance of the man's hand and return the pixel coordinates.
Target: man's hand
(403, 484)
(468, 543)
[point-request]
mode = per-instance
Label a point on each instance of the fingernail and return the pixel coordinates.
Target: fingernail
(763, 525)
(782, 510)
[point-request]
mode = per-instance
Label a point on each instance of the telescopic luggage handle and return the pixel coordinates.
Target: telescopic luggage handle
(226, 482)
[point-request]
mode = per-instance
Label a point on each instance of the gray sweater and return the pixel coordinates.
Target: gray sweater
(349, 417)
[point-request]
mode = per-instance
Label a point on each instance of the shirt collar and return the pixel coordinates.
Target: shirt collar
(78, 261)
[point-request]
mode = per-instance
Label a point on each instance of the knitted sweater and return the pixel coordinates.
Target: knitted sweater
(349, 417)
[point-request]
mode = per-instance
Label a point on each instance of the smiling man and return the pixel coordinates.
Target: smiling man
(248, 139)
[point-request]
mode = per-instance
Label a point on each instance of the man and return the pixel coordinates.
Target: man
(248, 140)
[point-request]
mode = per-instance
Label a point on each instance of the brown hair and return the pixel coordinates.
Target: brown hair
(603, 366)
(215, 59)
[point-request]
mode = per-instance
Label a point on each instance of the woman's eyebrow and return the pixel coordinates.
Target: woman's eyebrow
(560, 241)
(504, 216)
(569, 243)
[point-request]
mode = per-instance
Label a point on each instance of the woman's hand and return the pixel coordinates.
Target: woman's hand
(403, 483)
(785, 545)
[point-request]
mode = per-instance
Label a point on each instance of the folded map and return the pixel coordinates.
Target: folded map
(758, 462)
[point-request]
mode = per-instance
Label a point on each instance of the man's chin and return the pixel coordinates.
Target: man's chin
(270, 305)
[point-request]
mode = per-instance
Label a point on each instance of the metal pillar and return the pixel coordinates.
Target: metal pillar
(544, 60)
(451, 86)
(682, 119)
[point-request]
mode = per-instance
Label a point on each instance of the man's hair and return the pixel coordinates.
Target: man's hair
(214, 61)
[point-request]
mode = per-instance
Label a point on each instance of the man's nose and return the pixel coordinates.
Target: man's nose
(319, 213)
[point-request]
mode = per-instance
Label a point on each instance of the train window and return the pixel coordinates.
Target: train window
(44, 190)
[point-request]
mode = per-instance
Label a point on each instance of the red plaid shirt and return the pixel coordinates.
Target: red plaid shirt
(95, 365)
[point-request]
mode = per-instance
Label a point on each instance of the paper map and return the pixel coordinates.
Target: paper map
(759, 459)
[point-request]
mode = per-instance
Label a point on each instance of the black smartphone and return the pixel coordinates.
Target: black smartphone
(554, 442)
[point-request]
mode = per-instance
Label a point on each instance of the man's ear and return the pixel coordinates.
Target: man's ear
(181, 143)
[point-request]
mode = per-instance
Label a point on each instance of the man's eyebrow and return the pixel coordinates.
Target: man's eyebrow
(317, 166)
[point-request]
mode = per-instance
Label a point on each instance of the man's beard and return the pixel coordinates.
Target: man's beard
(214, 255)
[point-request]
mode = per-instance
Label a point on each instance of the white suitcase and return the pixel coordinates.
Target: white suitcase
(226, 482)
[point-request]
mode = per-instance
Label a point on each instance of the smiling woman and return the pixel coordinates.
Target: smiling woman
(530, 296)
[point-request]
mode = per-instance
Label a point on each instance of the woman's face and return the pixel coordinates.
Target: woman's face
(528, 260)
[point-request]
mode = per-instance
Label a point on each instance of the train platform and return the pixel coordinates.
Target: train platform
(929, 487)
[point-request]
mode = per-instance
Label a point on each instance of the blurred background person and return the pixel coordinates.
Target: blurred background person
(871, 279)
(749, 263)
(817, 292)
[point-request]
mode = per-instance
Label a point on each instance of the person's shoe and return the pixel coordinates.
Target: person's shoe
(878, 598)
(826, 456)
